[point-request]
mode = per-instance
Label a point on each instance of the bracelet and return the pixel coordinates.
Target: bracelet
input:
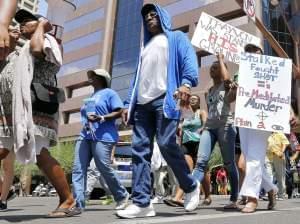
(102, 119)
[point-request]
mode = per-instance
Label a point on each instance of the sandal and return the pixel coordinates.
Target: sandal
(231, 205)
(206, 202)
(64, 212)
(243, 201)
(250, 207)
(173, 203)
(272, 199)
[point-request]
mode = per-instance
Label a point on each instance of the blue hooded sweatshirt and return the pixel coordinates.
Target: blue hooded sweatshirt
(182, 66)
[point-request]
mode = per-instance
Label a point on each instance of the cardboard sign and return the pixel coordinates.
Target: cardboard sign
(215, 36)
(264, 93)
(249, 8)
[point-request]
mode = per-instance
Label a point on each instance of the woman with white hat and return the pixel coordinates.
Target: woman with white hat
(97, 138)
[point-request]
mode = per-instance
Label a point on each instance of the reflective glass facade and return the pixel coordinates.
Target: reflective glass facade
(126, 44)
(274, 21)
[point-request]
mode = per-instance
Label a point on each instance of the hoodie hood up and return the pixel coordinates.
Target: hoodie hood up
(164, 18)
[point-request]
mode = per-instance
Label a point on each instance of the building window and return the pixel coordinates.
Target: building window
(205, 58)
(83, 41)
(87, 90)
(74, 117)
(79, 65)
(184, 29)
(84, 20)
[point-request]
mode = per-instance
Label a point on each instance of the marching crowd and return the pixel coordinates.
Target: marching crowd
(159, 107)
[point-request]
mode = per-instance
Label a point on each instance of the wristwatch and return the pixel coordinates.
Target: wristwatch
(187, 85)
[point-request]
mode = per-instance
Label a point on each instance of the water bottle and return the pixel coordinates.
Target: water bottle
(90, 106)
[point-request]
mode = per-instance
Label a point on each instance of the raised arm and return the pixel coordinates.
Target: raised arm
(223, 68)
(7, 11)
(38, 38)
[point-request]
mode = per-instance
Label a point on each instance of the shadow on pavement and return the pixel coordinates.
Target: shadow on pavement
(167, 214)
(21, 218)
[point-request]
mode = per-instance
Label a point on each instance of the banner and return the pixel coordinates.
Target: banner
(264, 93)
(215, 36)
(249, 8)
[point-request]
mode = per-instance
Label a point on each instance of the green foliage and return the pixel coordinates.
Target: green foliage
(20, 167)
(63, 153)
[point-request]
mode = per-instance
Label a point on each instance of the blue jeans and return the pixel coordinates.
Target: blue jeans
(225, 136)
(149, 121)
(101, 151)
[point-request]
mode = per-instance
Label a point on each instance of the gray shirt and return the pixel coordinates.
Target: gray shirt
(219, 112)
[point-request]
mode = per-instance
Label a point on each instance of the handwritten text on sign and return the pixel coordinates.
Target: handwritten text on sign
(264, 93)
(215, 36)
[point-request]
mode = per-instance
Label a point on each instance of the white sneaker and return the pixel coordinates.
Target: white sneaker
(122, 204)
(134, 211)
(157, 200)
(191, 200)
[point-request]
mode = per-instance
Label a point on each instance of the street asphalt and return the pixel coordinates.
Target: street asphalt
(33, 210)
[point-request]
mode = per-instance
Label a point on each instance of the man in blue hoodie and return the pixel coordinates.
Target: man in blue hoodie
(167, 67)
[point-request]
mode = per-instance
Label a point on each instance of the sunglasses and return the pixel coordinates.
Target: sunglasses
(152, 14)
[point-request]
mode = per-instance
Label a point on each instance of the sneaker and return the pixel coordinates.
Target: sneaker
(11, 195)
(157, 200)
(123, 203)
(3, 206)
(134, 211)
(191, 201)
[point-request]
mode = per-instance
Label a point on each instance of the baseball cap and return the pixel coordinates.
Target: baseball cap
(22, 14)
(250, 46)
(147, 8)
(103, 73)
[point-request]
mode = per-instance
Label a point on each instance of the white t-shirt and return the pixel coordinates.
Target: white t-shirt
(153, 73)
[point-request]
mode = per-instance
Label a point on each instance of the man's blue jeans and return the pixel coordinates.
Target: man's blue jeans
(101, 151)
(149, 121)
(225, 136)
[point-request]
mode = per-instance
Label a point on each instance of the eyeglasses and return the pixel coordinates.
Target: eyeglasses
(151, 14)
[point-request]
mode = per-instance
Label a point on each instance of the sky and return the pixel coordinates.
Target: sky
(43, 7)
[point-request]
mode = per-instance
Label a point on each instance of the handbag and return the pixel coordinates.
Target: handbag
(45, 98)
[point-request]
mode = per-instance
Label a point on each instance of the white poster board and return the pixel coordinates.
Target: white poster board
(215, 36)
(249, 8)
(264, 93)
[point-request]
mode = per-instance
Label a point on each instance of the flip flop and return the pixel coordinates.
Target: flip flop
(64, 212)
(249, 208)
(206, 202)
(173, 203)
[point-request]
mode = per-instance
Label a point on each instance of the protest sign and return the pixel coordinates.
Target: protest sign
(249, 8)
(264, 93)
(215, 36)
